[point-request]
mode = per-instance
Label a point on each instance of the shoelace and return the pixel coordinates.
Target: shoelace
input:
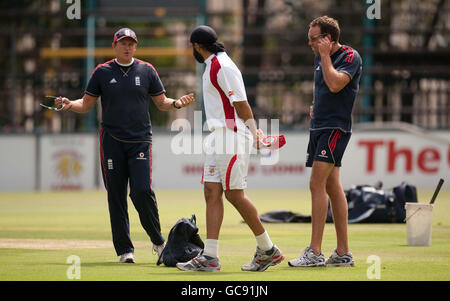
(196, 262)
(260, 256)
(305, 258)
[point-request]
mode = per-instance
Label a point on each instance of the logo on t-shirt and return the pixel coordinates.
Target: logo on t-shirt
(137, 80)
(113, 81)
(230, 93)
(110, 164)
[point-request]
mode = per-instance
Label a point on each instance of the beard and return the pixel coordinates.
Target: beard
(198, 56)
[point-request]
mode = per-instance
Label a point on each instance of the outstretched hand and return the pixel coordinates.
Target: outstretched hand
(60, 100)
(185, 100)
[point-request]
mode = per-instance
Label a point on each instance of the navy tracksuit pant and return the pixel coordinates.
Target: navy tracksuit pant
(124, 162)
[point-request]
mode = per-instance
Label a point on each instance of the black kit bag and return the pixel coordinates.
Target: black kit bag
(183, 243)
(371, 204)
(284, 216)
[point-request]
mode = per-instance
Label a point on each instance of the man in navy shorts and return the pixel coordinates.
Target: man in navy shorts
(124, 85)
(336, 82)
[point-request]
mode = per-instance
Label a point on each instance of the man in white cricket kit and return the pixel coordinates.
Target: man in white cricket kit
(233, 132)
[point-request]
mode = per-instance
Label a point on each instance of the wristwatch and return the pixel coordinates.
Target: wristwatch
(174, 105)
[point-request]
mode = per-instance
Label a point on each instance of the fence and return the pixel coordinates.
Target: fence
(406, 70)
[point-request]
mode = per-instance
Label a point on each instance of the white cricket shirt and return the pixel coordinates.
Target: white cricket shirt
(222, 86)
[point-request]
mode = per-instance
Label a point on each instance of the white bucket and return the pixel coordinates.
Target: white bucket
(418, 223)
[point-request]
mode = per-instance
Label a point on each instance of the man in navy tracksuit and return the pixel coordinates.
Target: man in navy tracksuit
(124, 85)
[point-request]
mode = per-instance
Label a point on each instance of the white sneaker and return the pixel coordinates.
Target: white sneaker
(127, 258)
(308, 259)
(264, 259)
(337, 260)
(201, 263)
(158, 250)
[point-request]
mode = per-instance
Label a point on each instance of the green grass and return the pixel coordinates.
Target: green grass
(83, 216)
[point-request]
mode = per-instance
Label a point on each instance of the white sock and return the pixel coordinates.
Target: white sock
(211, 248)
(264, 242)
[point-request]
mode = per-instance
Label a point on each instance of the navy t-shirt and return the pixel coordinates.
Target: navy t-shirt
(125, 98)
(334, 110)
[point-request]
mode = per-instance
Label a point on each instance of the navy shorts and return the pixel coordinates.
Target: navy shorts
(327, 145)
